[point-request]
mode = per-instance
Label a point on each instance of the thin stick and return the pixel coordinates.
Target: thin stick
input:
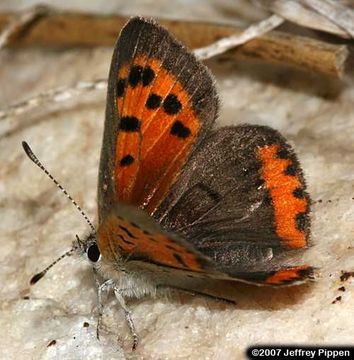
(57, 95)
(227, 43)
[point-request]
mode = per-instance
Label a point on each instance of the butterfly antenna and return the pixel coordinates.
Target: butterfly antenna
(39, 275)
(34, 158)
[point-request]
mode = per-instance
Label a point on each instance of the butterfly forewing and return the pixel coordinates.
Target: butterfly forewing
(161, 103)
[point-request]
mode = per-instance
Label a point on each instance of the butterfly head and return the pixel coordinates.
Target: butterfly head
(88, 247)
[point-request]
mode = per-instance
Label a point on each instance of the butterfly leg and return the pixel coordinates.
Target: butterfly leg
(128, 317)
(198, 293)
(101, 288)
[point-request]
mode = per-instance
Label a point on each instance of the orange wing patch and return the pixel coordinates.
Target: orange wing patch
(285, 187)
(290, 275)
(157, 130)
(117, 237)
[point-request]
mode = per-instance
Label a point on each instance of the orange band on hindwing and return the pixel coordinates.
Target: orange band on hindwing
(158, 127)
(118, 237)
(290, 275)
(283, 180)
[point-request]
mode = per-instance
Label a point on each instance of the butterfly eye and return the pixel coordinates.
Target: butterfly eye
(93, 253)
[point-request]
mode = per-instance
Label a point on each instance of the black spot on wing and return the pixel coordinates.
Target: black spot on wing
(291, 170)
(139, 74)
(153, 101)
(299, 193)
(306, 273)
(125, 240)
(172, 105)
(179, 130)
(129, 124)
(179, 258)
(135, 75)
(148, 75)
(120, 87)
(127, 232)
(126, 160)
(301, 221)
(283, 154)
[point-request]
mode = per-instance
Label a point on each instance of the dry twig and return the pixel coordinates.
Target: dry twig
(55, 95)
(70, 29)
(230, 42)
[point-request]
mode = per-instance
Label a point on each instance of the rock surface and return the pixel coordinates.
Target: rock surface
(38, 223)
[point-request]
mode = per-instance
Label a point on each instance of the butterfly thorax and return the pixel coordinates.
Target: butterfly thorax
(110, 249)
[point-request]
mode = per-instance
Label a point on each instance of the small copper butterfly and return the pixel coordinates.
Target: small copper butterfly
(179, 202)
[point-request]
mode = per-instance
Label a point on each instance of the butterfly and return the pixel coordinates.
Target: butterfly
(179, 201)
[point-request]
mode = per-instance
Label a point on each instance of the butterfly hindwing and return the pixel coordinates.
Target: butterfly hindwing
(161, 103)
(241, 201)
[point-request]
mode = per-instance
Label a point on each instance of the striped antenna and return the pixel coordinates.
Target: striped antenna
(34, 158)
(39, 275)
